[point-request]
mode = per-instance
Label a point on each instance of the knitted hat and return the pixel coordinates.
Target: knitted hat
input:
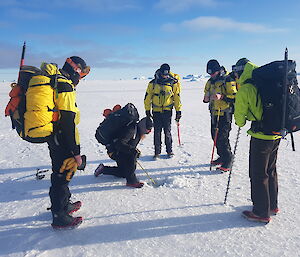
(212, 66)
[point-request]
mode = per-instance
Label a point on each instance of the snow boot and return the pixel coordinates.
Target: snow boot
(99, 170)
(226, 166)
(73, 207)
(274, 211)
(65, 221)
(249, 215)
(170, 155)
(156, 156)
(217, 162)
(135, 185)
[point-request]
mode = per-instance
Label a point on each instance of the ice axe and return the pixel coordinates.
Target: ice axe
(178, 132)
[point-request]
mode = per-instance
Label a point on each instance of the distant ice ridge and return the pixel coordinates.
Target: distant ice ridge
(193, 77)
(190, 77)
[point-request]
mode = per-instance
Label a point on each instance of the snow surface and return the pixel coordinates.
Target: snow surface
(183, 217)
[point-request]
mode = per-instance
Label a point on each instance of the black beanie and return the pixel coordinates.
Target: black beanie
(165, 68)
(212, 66)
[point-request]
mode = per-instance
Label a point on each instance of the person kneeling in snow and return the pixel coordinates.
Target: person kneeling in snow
(123, 150)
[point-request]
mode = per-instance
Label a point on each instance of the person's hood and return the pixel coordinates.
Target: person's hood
(247, 73)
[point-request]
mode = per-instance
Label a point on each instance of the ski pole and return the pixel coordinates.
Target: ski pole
(233, 157)
(22, 60)
(178, 133)
(152, 180)
(215, 139)
(39, 174)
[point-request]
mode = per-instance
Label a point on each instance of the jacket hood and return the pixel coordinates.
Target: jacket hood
(247, 73)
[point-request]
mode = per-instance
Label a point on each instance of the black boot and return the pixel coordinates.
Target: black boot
(73, 207)
(65, 221)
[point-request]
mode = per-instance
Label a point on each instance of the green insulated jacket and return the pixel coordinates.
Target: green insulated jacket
(248, 105)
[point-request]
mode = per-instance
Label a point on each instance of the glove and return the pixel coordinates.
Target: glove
(149, 123)
(137, 153)
(69, 164)
(78, 159)
(68, 168)
(206, 99)
(178, 116)
(83, 164)
(148, 114)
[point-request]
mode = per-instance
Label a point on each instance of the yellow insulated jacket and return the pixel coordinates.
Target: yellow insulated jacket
(163, 97)
(224, 85)
(248, 105)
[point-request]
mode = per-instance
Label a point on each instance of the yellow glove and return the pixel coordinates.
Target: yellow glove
(69, 164)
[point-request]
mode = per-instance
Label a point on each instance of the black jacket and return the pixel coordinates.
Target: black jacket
(126, 140)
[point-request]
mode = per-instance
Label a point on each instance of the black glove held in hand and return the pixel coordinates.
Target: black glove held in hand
(137, 153)
(178, 116)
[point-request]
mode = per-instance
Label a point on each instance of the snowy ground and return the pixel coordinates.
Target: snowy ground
(184, 217)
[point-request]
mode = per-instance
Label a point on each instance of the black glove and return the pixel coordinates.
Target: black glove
(149, 123)
(83, 164)
(148, 114)
(137, 153)
(178, 116)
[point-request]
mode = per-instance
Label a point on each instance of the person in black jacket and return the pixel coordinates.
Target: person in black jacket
(124, 151)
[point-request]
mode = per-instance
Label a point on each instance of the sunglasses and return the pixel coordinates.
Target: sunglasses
(77, 68)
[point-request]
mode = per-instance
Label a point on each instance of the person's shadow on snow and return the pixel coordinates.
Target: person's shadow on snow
(39, 236)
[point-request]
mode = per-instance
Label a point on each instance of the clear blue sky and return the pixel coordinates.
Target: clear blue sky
(128, 38)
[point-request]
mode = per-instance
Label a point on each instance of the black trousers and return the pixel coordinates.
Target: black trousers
(126, 166)
(59, 191)
(162, 121)
(263, 175)
(223, 143)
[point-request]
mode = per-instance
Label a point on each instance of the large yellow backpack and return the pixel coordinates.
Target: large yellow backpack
(34, 115)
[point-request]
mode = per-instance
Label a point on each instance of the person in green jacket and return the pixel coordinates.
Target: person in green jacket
(263, 147)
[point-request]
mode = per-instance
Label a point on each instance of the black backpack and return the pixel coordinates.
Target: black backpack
(111, 126)
(277, 86)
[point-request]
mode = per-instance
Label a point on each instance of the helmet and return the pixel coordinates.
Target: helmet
(239, 66)
(76, 68)
(212, 66)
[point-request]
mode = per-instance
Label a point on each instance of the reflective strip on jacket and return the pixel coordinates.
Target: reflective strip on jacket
(248, 105)
(163, 97)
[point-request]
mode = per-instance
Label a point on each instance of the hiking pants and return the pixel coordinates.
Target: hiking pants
(126, 166)
(162, 121)
(222, 144)
(263, 175)
(59, 191)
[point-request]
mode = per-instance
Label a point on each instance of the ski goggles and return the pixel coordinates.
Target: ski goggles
(238, 68)
(77, 68)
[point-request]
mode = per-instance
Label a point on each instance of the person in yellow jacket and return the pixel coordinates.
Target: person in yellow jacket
(263, 147)
(220, 92)
(64, 143)
(162, 95)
